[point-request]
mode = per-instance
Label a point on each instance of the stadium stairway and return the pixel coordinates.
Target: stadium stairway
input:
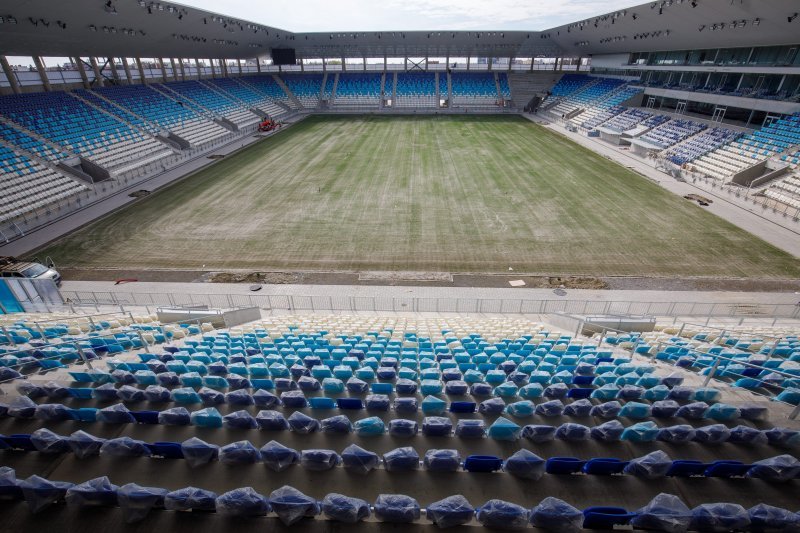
(525, 86)
(294, 102)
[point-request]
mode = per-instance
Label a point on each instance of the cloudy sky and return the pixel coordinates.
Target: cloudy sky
(383, 15)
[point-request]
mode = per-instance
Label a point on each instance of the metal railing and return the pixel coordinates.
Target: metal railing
(375, 304)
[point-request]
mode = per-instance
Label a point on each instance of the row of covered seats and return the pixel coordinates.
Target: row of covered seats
(700, 145)
(608, 107)
(672, 132)
(305, 87)
(363, 90)
(599, 89)
(263, 102)
(665, 512)
(473, 89)
(213, 100)
(196, 452)
(417, 89)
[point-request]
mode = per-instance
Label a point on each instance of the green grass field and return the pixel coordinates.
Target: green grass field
(456, 194)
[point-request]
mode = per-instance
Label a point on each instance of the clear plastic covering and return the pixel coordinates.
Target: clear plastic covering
(359, 460)
(53, 412)
(641, 432)
(651, 466)
(449, 512)
(765, 517)
(579, 408)
(556, 515)
(241, 452)
(190, 499)
(636, 410)
(723, 412)
(401, 427)
(377, 402)
(291, 505)
(522, 409)
(525, 464)
(747, 435)
(127, 393)
(124, 447)
(538, 433)
(307, 383)
(46, 441)
(551, 408)
(456, 388)
(665, 408)
(665, 512)
(272, 420)
(357, 386)
(137, 501)
(779, 436)
(573, 432)
(396, 508)
(31, 390)
(106, 392)
(345, 509)
(406, 405)
(278, 457)
(40, 493)
(504, 429)
(442, 460)
(436, 426)
(84, 444)
(115, 414)
(302, 423)
(336, 424)
(692, 411)
(606, 410)
(242, 502)
(239, 420)
(240, 397)
(265, 399)
(680, 393)
(55, 390)
(431, 405)
(719, 517)
(556, 390)
(370, 426)
(707, 394)
(679, 433)
(713, 434)
(157, 394)
(531, 390)
(610, 431)
(401, 459)
(97, 491)
(294, 398)
(503, 514)
(208, 417)
(778, 468)
(470, 428)
(209, 396)
(177, 416)
(198, 452)
(492, 406)
(316, 459)
(754, 412)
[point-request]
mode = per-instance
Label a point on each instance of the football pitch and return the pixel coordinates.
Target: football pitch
(433, 193)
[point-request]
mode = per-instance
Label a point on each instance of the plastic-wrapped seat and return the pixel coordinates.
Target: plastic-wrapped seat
(190, 499)
(665, 512)
(470, 428)
(291, 505)
(778, 468)
(438, 426)
(338, 424)
(208, 417)
(553, 514)
(641, 432)
(197, 452)
(84, 444)
(396, 508)
(115, 414)
(538, 433)
(610, 431)
(137, 501)
(302, 423)
(525, 464)
(359, 460)
(676, 434)
(242, 502)
(651, 466)
(765, 517)
(406, 405)
(636, 410)
(371, 426)
(692, 411)
(272, 420)
(45, 441)
(449, 512)
(573, 432)
(442, 460)
(97, 491)
(747, 435)
(345, 509)
(503, 514)
(550, 409)
(492, 406)
(579, 408)
(723, 412)
(241, 452)
(278, 457)
(40, 493)
(719, 517)
(157, 394)
(713, 434)
(665, 408)
(177, 416)
(401, 459)
(504, 429)
(319, 460)
(240, 420)
(607, 410)
(401, 427)
(124, 447)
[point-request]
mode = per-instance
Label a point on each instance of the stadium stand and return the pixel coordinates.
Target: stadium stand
(672, 132)
(213, 101)
(305, 87)
(250, 96)
(700, 144)
(477, 89)
(358, 90)
(608, 107)
(593, 91)
(416, 89)
(268, 87)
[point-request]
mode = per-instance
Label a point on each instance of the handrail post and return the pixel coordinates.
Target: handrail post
(712, 372)
(83, 356)
(8, 336)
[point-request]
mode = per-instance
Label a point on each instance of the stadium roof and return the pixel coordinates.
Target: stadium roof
(145, 28)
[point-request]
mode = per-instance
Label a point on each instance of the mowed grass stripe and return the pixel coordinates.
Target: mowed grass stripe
(476, 194)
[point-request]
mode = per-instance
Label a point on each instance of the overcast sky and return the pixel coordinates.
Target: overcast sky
(383, 15)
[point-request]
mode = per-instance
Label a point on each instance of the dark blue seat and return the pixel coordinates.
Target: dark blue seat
(582, 380)
(727, 469)
(482, 463)
(354, 404)
(686, 468)
(20, 441)
(564, 465)
(606, 517)
(167, 450)
(579, 393)
(462, 407)
(145, 417)
(604, 466)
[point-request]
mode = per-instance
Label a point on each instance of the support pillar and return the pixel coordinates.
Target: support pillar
(302, 65)
(224, 68)
(258, 65)
(199, 70)
(113, 66)
(239, 63)
(98, 77)
(555, 65)
(127, 68)
(324, 65)
(174, 69)
(578, 66)
(489, 64)
(183, 69)
(344, 64)
(468, 63)
(10, 75)
(510, 61)
(141, 70)
(163, 70)
(42, 73)
(81, 70)
(364, 59)
(385, 62)
(213, 70)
